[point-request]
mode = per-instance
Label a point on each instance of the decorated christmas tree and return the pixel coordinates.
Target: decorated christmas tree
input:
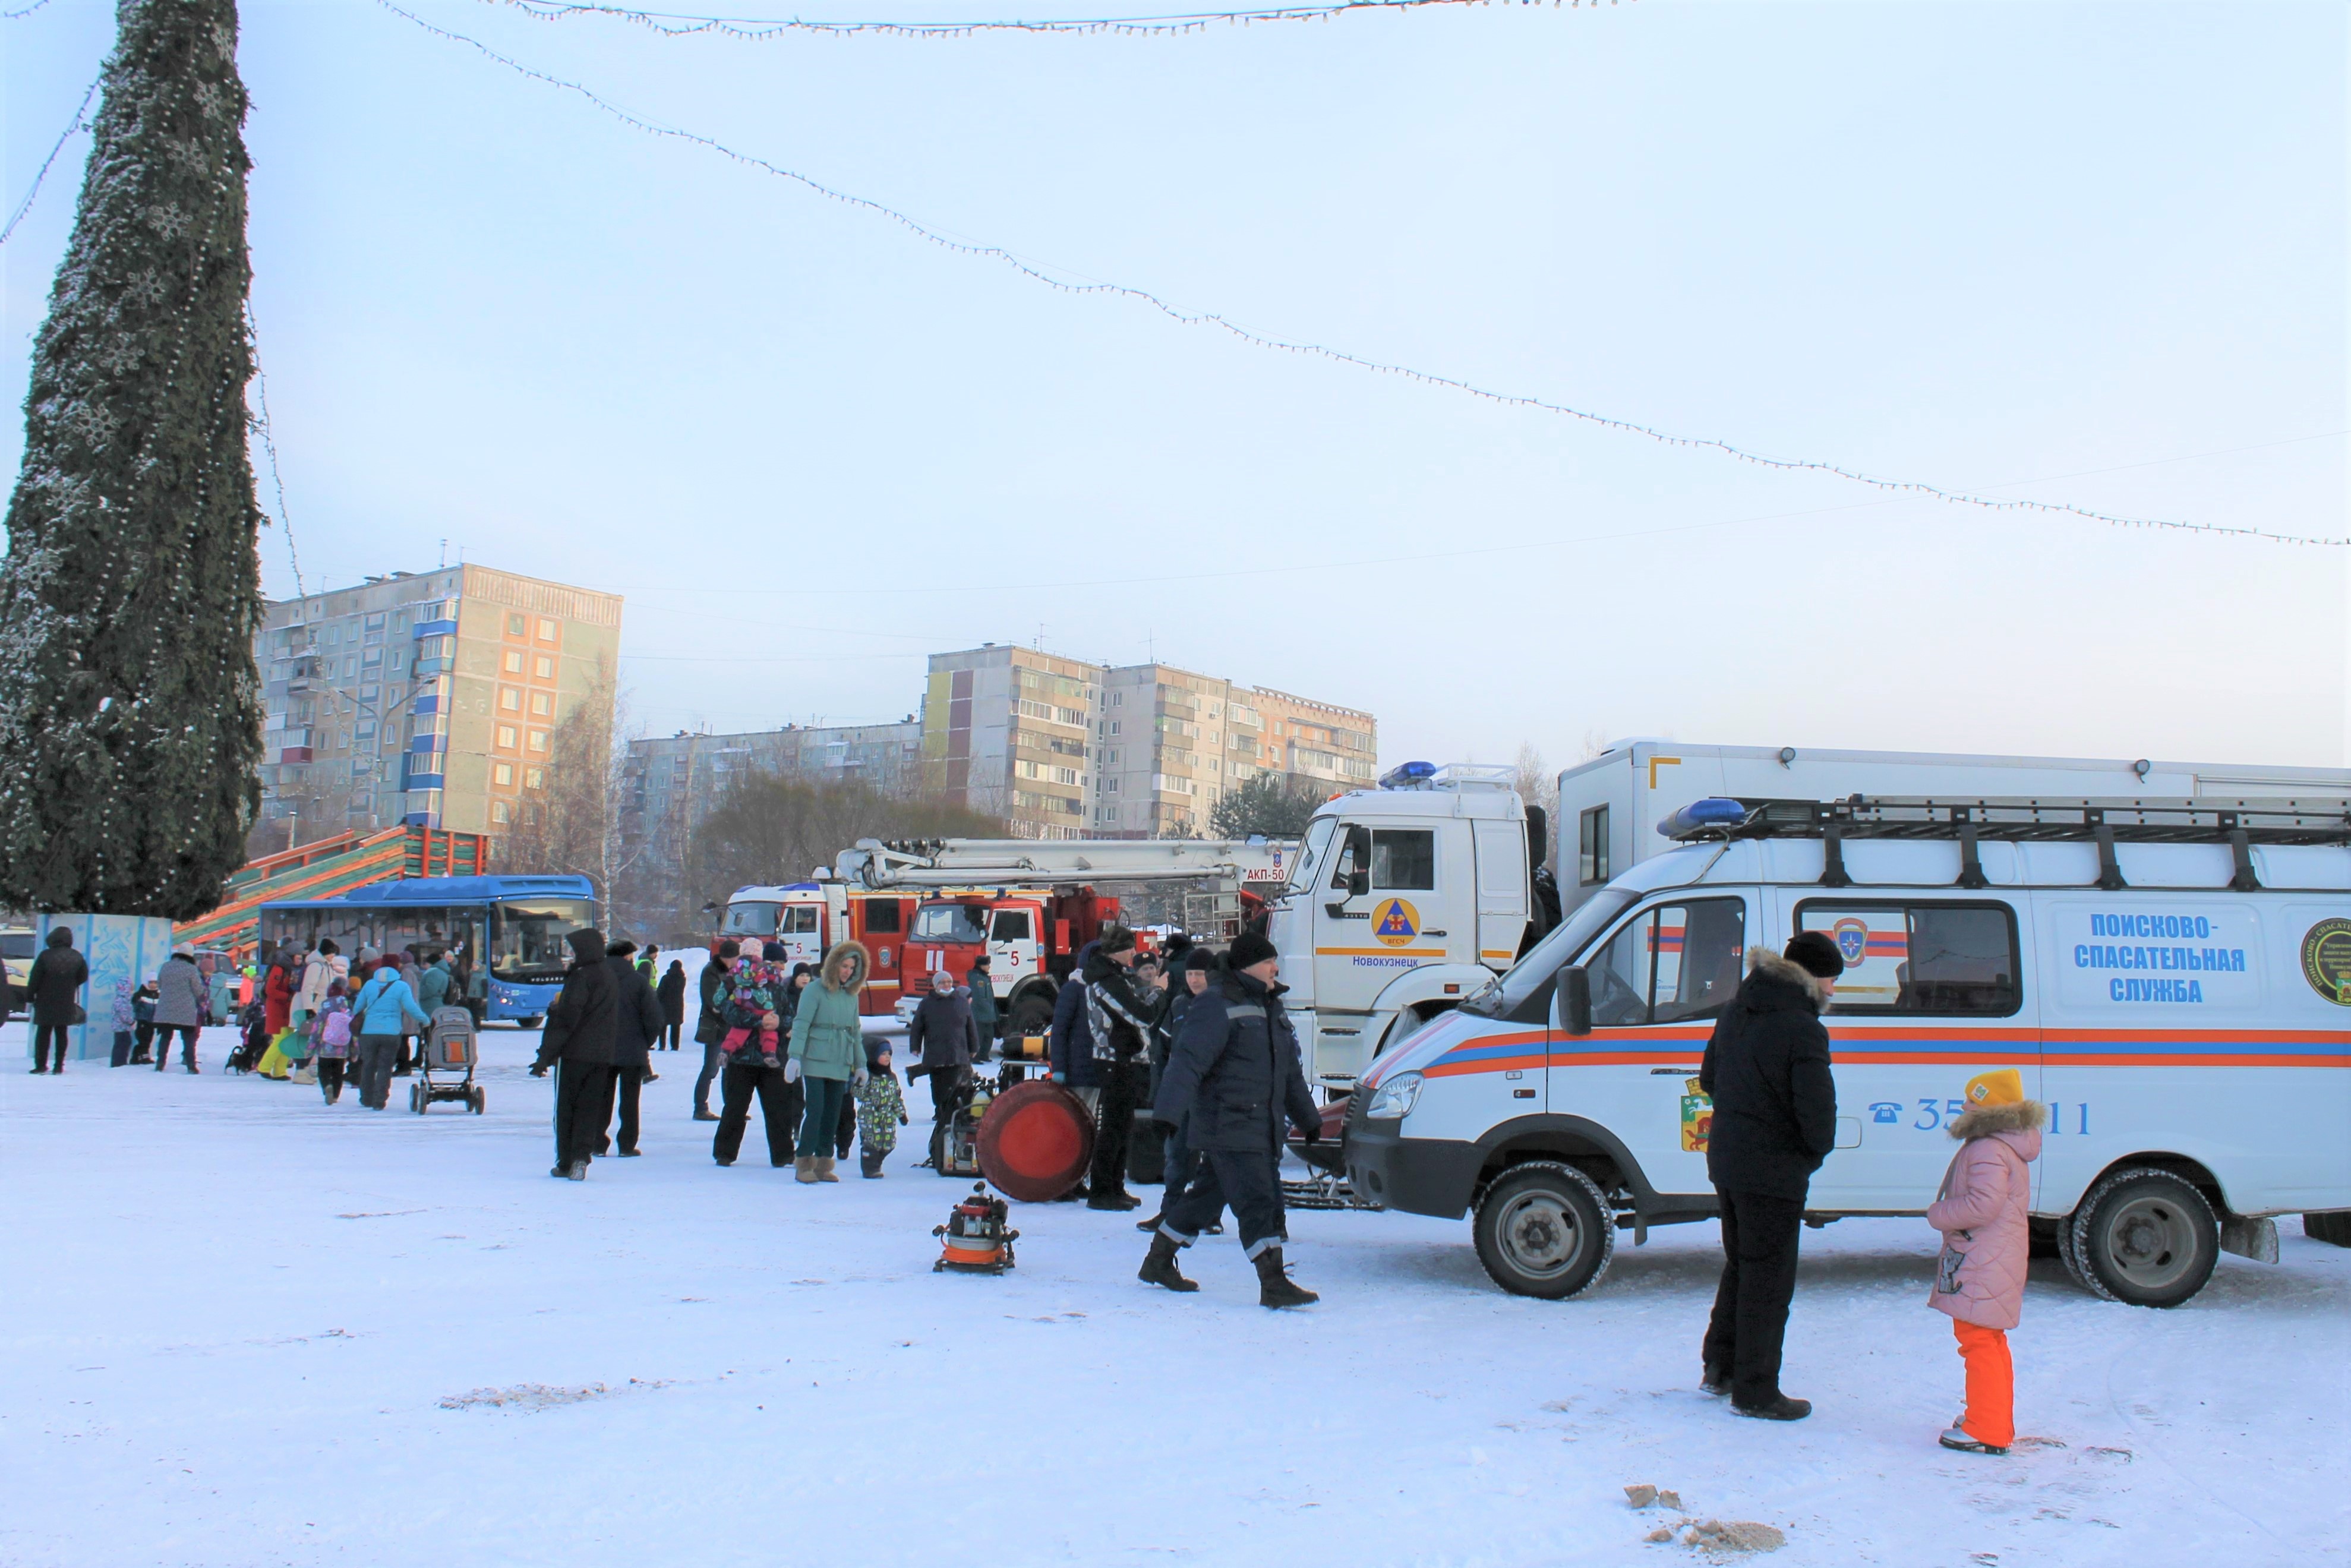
(129, 706)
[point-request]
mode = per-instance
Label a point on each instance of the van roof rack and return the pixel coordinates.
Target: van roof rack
(2103, 820)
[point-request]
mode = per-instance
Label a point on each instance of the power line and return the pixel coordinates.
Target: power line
(12, 16)
(1036, 273)
(79, 120)
(681, 24)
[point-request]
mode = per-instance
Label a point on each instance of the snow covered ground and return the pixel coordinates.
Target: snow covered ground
(244, 1329)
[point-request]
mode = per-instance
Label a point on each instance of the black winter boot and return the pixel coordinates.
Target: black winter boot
(869, 1164)
(1159, 1265)
(1274, 1287)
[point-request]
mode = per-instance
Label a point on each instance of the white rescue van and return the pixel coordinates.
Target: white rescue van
(2173, 978)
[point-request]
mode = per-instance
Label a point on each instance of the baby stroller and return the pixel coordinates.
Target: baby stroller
(253, 1040)
(450, 1050)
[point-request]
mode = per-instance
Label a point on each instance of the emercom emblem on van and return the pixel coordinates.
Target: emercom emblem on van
(2327, 960)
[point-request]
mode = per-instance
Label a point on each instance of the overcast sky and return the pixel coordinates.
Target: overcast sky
(2094, 254)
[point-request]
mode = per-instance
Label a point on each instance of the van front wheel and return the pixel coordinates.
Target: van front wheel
(2145, 1238)
(1544, 1229)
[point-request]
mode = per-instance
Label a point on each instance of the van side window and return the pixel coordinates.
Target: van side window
(1592, 847)
(1948, 958)
(802, 917)
(1404, 859)
(1671, 965)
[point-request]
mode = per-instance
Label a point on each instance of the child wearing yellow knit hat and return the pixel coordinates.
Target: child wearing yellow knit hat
(1980, 1274)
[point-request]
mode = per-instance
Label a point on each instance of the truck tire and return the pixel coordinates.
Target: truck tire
(1544, 1229)
(2333, 1228)
(1032, 1014)
(2072, 1258)
(2145, 1238)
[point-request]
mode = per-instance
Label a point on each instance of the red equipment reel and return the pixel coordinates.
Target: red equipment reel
(1035, 1141)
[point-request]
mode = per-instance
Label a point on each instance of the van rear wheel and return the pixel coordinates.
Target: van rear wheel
(1544, 1229)
(2145, 1238)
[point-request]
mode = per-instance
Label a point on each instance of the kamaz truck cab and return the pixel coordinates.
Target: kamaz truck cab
(1402, 901)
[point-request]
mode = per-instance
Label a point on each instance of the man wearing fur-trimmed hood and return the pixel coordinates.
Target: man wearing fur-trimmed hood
(1766, 1069)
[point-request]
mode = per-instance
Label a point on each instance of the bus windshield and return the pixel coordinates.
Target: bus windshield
(526, 937)
(752, 917)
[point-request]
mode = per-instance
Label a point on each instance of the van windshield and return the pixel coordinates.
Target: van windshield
(1503, 996)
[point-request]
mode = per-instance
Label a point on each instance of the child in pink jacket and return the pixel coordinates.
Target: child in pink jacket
(1979, 1275)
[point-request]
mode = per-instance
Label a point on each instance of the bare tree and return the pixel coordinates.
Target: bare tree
(1536, 783)
(767, 829)
(570, 824)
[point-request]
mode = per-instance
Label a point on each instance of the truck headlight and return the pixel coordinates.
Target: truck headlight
(1393, 1101)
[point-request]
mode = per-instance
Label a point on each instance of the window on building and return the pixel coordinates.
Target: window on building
(506, 734)
(501, 813)
(534, 777)
(502, 773)
(546, 667)
(546, 629)
(542, 704)
(513, 661)
(1592, 847)
(1118, 699)
(539, 740)
(517, 626)
(350, 666)
(510, 700)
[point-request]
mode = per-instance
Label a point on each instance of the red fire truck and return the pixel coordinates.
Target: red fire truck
(1033, 904)
(808, 917)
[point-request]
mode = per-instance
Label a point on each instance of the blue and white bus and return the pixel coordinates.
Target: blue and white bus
(518, 924)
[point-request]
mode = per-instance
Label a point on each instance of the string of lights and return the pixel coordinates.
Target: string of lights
(269, 445)
(679, 24)
(1036, 273)
(79, 121)
(12, 16)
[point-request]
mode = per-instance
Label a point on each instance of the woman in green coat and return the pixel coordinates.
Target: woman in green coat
(828, 1050)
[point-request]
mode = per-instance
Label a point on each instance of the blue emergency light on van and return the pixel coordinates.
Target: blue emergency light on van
(1407, 775)
(1700, 815)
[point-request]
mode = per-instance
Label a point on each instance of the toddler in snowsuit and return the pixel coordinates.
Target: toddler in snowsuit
(331, 1036)
(1980, 1274)
(750, 1010)
(880, 1111)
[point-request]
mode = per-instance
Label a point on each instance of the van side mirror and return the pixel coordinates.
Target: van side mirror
(1359, 883)
(1575, 999)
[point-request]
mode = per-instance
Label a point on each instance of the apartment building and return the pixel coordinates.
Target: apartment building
(671, 784)
(1169, 742)
(1004, 732)
(1064, 748)
(427, 697)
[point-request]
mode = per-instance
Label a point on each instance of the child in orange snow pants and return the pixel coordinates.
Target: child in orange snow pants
(1980, 1273)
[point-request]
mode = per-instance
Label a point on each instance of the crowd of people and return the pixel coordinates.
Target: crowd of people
(1196, 1043)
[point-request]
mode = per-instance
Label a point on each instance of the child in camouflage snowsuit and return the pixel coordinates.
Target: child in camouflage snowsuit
(880, 1111)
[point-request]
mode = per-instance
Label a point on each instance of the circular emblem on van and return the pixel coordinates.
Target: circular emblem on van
(1851, 936)
(1396, 924)
(2327, 960)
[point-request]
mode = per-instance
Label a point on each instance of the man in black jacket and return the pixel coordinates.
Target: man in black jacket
(1231, 1080)
(637, 1028)
(1766, 1069)
(1120, 1012)
(709, 1028)
(56, 978)
(582, 1026)
(942, 1040)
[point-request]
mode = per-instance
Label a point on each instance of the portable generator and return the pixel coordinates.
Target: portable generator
(976, 1239)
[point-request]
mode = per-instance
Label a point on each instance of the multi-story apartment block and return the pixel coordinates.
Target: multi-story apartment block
(1004, 732)
(1063, 748)
(427, 697)
(672, 783)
